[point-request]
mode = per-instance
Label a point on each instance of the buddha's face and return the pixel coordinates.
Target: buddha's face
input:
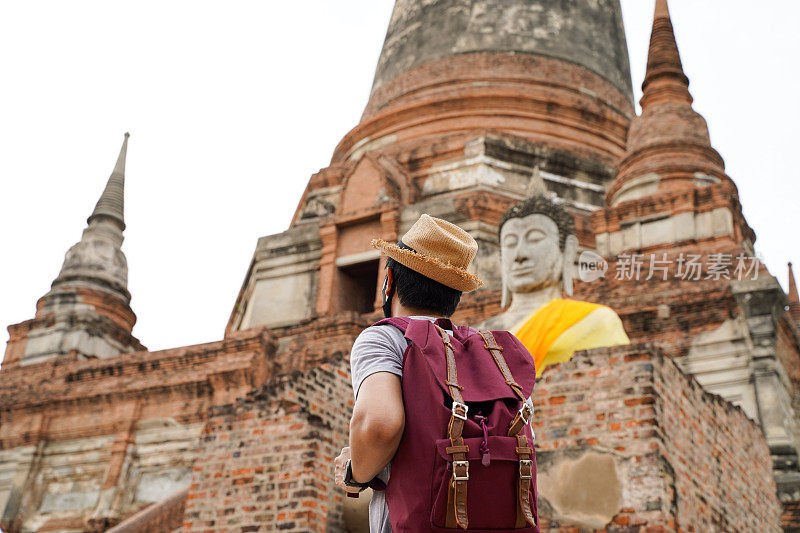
(532, 259)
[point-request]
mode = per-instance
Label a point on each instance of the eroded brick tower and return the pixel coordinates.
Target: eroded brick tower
(470, 98)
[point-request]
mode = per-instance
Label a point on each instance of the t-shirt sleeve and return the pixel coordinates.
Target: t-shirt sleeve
(377, 349)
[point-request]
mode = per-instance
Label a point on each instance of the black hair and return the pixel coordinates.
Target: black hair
(544, 206)
(421, 292)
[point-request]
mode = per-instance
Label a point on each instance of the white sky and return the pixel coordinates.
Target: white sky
(232, 106)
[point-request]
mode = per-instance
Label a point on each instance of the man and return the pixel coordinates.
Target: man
(538, 248)
(426, 273)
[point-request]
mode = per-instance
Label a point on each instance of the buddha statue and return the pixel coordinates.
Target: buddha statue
(538, 247)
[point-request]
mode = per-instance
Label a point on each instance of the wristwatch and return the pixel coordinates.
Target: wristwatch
(350, 482)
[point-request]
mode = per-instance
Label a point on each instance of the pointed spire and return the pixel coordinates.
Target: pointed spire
(89, 300)
(794, 299)
(665, 78)
(112, 201)
(668, 144)
(662, 10)
(97, 259)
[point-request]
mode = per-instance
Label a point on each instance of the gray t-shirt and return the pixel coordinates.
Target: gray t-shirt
(379, 349)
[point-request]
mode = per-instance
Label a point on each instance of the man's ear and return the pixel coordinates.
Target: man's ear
(568, 268)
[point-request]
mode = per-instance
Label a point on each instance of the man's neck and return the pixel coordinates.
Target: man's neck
(402, 310)
(528, 302)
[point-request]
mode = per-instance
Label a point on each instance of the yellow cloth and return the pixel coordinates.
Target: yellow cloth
(561, 327)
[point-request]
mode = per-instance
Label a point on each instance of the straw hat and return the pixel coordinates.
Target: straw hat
(436, 249)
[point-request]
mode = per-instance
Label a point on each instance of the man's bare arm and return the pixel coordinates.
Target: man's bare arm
(377, 424)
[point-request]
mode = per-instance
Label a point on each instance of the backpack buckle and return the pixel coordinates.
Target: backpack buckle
(456, 413)
(458, 464)
(527, 464)
(525, 413)
(528, 403)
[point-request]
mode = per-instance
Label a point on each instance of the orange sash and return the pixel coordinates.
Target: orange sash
(556, 330)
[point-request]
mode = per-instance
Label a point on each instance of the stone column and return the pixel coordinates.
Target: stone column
(327, 268)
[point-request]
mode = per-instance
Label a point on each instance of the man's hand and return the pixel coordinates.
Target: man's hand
(340, 463)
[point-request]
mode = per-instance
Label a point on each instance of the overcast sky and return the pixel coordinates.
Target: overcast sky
(232, 106)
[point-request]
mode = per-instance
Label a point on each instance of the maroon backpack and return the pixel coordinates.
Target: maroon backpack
(466, 458)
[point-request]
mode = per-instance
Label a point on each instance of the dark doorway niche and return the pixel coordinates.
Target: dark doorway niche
(358, 286)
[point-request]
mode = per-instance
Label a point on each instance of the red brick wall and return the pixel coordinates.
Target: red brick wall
(266, 462)
(604, 399)
(722, 469)
(699, 463)
(181, 383)
(692, 460)
(791, 516)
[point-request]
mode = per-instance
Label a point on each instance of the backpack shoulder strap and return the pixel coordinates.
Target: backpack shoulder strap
(400, 322)
(457, 491)
(523, 418)
(496, 350)
(459, 332)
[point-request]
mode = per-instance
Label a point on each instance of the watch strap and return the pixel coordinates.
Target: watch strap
(349, 481)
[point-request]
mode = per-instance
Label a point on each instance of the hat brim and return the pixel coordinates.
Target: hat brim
(454, 277)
